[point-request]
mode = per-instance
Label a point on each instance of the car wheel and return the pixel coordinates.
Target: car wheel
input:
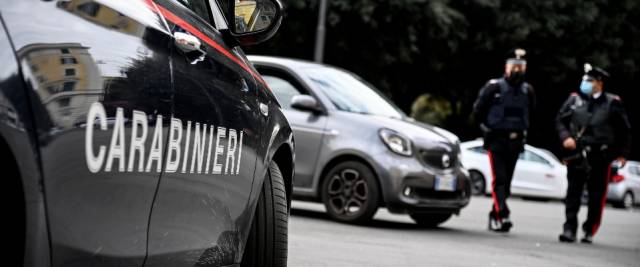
(430, 220)
(267, 241)
(628, 200)
(478, 184)
(350, 192)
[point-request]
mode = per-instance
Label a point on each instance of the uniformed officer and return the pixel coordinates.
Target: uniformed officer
(503, 109)
(594, 130)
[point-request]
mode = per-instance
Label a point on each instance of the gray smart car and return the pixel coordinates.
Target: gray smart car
(356, 151)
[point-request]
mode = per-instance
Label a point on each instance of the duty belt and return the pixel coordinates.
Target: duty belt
(596, 147)
(510, 134)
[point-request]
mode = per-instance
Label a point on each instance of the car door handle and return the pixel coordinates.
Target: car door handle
(186, 42)
(264, 109)
(190, 45)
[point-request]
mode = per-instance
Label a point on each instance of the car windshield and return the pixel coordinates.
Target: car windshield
(349, 92)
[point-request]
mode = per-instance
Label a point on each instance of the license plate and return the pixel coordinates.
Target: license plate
(445, 183)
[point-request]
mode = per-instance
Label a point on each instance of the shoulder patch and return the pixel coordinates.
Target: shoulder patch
(614, 97)
(493, 81)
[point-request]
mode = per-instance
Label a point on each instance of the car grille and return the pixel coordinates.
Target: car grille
(434, 158)
(429, 193)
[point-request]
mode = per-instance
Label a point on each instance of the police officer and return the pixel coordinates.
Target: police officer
(594, 130)
(503, 108)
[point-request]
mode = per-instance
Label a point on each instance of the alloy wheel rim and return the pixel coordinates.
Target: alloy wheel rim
(628, 200)
(348, 192)
(477, 183)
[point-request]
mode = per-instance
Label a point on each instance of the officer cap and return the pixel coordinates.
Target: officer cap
(517, 56)
(595, 72)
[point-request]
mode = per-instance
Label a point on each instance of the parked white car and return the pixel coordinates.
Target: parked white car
(538, 173)
(624, 187)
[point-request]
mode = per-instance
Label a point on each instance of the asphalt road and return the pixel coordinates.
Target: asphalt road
(393, 240)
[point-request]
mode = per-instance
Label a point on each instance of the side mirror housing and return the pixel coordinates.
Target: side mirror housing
(305, 103)
(252, 21)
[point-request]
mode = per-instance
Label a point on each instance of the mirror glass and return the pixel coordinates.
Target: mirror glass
(253, 15)
(304, 102)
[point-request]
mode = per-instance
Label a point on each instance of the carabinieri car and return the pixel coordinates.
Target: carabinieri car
(136, 133)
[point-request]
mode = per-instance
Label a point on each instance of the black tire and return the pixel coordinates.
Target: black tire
(267, 241)
(478, 183)
(430, 220)
(350, 192)
(626, 202)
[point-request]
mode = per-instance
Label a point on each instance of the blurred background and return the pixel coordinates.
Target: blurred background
(431, 57)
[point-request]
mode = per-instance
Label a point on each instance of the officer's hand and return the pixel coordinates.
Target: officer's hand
(569, 143)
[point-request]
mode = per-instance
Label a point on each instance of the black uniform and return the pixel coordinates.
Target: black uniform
(503, 110)
(602, 133)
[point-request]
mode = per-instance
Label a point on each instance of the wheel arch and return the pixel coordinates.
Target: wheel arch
(487, 182)
(344, 157)
(284, 157)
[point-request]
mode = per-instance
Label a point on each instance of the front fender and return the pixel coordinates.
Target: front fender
(277, 138)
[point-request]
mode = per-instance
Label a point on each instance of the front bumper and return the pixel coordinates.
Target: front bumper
(616, 192)
(408, 186)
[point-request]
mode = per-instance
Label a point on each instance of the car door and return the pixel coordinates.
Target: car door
(308, 127)
(634, 171)
(98, 77)
(214, 136)
(531, 173)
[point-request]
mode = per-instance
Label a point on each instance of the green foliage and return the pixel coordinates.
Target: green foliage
(429, 109)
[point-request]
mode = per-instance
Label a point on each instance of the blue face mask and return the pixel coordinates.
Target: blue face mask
(586, 87)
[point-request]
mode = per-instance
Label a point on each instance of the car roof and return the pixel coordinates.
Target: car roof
(537, 150)
(292, 63)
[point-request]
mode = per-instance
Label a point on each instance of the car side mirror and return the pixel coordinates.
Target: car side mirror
(305, 103)
(252, 21)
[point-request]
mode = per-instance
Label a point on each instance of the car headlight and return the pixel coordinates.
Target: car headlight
(396, 142)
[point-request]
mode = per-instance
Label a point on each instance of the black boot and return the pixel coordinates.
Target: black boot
(506, 225)
(567, 236)
(494, 224)
(587, 239)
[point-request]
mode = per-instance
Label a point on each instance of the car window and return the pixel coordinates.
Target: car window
(283, 89)
(200, 7)
(532, 156)
(635, 169)
(350, 93)
(478, 149)
(548, 153)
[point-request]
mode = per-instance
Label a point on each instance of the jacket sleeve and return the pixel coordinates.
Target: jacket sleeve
(483, 103)
(532, 102)
(563, 118)
(621, 126)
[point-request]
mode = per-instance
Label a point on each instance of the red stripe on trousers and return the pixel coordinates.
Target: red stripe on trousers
(596, 225)
(496, 206)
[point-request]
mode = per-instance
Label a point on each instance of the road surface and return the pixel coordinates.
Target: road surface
(394, 240)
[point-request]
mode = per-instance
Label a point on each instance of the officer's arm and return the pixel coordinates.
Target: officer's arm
(532, 101)
(483, 103)
(563, 118)
(621, 126)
